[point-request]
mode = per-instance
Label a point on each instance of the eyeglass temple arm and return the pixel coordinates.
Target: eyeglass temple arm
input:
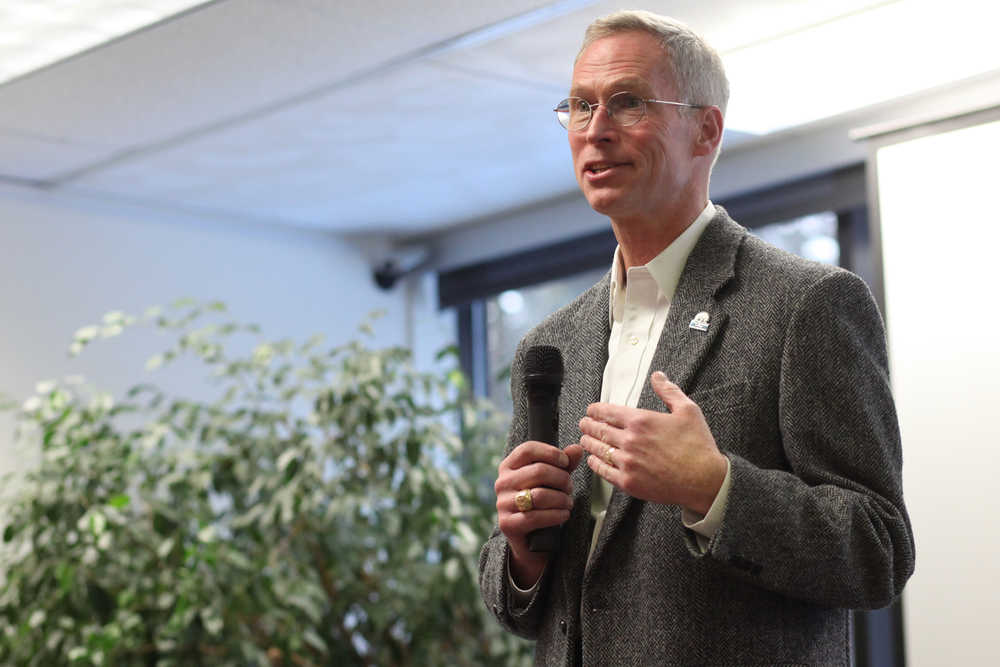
(678, 104)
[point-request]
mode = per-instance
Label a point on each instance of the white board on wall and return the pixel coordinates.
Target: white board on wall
(940, 228)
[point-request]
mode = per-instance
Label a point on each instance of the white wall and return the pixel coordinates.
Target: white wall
(940, 236)
(67, 262)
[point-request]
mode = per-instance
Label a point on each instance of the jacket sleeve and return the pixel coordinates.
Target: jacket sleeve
(832, 529)
(494, 584)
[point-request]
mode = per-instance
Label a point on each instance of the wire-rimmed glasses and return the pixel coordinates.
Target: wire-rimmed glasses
(624, 108)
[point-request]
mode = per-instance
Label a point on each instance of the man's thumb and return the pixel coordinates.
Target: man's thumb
(575, 453)
(668, 392)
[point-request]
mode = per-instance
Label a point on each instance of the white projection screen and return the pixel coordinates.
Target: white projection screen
(940, 233)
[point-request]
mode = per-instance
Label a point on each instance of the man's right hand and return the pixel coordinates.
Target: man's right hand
(545, 470)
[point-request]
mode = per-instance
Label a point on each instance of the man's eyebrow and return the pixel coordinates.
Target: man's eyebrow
(630, 84)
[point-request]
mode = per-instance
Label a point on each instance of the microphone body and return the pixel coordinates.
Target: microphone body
(542, 383)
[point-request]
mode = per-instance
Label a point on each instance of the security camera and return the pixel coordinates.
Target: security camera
(398, 264)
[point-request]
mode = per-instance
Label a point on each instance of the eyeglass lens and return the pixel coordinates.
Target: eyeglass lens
(574, 113)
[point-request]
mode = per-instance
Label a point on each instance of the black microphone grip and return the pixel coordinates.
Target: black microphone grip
(543, 382)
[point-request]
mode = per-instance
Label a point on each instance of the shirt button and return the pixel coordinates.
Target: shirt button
(562, 626)
(633, 340)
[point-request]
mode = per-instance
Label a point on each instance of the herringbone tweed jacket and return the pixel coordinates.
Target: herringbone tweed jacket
(792, 379)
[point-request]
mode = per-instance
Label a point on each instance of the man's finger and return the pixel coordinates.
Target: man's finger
(534, 475)
(575, 454)
(597, 447)
(608, 472)
(669, 393)
(602, 431)
(613, 456)
(608, 413)
(542, 498)
(522, 523)
(533, 451)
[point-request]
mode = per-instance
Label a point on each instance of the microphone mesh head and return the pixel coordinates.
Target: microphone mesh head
(544, 360)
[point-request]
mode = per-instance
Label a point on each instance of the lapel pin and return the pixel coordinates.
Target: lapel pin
(700, 322)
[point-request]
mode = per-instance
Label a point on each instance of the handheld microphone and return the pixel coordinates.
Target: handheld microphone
(543, 377)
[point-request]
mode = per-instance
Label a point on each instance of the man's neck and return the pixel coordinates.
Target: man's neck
(642, 239)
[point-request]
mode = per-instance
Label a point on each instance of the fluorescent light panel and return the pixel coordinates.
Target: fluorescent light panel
(880, 54)
(36, 33)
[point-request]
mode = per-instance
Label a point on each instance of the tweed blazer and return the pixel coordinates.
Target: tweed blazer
(792, 378)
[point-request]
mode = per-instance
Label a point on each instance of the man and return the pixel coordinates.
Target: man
(742, 489)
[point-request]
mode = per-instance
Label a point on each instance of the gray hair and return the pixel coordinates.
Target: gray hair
(697, 68)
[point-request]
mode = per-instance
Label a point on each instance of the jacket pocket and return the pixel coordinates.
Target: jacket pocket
(722, 397)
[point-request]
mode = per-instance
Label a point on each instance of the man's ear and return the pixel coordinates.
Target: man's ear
(709, 131)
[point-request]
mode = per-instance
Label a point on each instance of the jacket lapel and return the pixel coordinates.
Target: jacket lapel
(585, 353)
(682, 350)
(683, 347)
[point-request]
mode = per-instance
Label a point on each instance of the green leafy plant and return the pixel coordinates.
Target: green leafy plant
(324, 507)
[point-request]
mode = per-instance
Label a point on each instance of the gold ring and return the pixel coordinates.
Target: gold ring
(523, 500)
(609, 456)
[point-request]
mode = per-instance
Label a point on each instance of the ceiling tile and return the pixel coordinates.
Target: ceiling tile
(224, 62)
(419, 145)
(37, 158)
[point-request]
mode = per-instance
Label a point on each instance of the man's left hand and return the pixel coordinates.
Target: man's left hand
(669, 458)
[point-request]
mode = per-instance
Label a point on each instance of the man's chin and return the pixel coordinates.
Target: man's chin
(604, 202)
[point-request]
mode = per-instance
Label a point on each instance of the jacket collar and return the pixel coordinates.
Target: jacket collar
(665, 268)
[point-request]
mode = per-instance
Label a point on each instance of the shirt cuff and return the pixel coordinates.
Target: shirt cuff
(705, 527)
(519, 596)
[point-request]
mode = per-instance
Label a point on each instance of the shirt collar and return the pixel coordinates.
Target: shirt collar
(666, 267)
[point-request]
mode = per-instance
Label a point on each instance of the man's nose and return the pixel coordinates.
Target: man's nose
(601, 125)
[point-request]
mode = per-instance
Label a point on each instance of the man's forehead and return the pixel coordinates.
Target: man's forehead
(626, 61)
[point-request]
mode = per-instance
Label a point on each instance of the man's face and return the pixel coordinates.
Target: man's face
(643, 170)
